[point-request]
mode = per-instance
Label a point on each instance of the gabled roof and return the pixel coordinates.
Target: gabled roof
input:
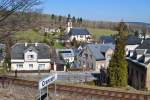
(66, 52)
(97, 50)
(133, 40)
(145, 45)
(79, 31)
(144, 50)
(17, 50)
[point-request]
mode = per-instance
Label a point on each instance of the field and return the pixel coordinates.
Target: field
(100, 32)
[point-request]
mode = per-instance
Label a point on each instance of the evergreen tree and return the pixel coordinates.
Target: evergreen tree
(69, 17)
(52, 16)
(117, 71)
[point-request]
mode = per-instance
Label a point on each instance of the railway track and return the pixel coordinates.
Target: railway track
(106, 94)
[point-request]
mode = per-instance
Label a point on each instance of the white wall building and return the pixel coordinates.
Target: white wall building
(30, 56)
(78, 33)
(66, 54)
(132, 43)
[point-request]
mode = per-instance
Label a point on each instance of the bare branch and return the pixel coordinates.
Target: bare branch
(7, 7)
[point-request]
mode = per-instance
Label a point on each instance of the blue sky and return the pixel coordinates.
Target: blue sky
(107, 10)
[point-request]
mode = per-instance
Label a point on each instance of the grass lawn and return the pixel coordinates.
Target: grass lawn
(28, 36)
(100, 32)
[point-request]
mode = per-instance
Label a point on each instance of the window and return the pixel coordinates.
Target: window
(30, 56)
(108, 57)
(30, 65)
(64, 51)
(41, 66)
(19, 65)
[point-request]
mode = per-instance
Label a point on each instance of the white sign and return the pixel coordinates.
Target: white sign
(46, 81)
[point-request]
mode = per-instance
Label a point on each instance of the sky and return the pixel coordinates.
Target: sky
(101, 10)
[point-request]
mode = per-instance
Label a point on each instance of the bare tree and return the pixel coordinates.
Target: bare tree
(8, 7)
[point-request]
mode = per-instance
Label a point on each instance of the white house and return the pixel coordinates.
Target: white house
(132, 43)
(51, 30)
(66, 54)
(30, 56)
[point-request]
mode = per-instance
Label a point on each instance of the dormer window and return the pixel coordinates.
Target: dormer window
(30, 56)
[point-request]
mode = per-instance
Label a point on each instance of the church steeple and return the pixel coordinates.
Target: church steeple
(69, 25)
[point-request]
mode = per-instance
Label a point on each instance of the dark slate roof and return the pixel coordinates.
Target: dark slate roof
(133, 40)
(58, 61)
(79, 31)
(145, 45)
(140, 51)
(107, 39)
(17, 50)
(98, 49)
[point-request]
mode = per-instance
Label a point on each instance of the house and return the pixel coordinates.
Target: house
(66, 54)
(139, 66)
(57, 63)
(51, 30)
(107, 39)
(30, 57)
(96, 56)
(132, 43)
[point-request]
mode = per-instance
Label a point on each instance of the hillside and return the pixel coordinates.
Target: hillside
(100, 32)
(24, 21)
(27, 36)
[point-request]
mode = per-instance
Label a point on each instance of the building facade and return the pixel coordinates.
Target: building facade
(30, 57)
(66, 54)
(139, 66)
(96, 56)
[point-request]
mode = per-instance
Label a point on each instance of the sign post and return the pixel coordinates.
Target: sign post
(45, 82)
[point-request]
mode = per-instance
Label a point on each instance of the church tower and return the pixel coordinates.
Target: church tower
(69, 25)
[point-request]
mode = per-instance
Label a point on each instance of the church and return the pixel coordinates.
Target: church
(77, 33)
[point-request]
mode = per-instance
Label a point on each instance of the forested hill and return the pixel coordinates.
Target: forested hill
(22, 21)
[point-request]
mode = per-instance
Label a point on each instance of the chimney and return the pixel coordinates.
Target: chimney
(26, 44)
(36, 44)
